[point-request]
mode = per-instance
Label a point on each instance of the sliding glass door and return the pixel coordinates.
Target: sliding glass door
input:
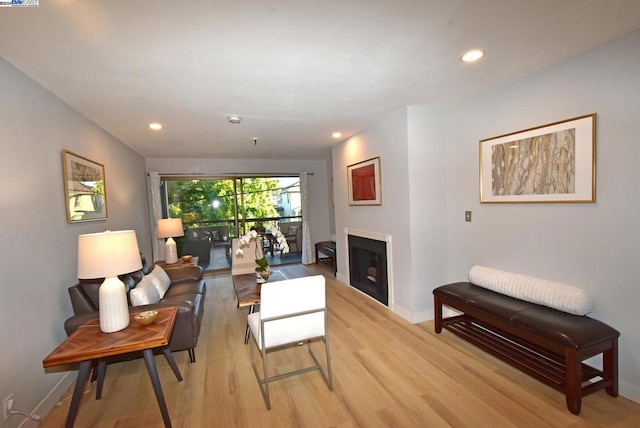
(216, 209)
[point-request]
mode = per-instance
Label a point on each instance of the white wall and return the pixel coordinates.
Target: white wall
(595, 246)
(386, 138)
(428, 206)
(320, 210)
(38, 247)
(411, 144)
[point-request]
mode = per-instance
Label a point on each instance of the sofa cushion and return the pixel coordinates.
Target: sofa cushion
(144, 293)
(195, 303)
(91, 288)
(185, 287)
(160, 279)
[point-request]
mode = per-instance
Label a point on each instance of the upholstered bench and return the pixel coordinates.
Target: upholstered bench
(328, 248)
(547, 344)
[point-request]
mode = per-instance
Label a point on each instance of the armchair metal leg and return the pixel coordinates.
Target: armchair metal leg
(328, 377)
(263, 382)
(252, 309)
(267, 398)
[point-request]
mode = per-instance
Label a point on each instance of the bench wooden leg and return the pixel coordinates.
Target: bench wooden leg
(437, 306)
(573, 382)
(610, 367)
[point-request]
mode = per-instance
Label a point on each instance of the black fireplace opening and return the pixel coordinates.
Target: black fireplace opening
(368, 267)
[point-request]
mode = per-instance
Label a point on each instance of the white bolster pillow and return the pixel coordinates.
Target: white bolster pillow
(556, 295)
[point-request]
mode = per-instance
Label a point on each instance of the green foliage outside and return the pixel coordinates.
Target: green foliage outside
(202, 202)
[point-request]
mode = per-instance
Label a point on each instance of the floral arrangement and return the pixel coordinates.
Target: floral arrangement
(252, 234)
(263, 264)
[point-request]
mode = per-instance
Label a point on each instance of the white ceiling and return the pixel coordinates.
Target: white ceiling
(294, 70)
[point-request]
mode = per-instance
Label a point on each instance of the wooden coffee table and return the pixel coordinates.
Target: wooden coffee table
(247, 291)
(89, 343)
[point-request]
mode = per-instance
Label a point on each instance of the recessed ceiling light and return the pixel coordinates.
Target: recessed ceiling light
(234, 119)
(336, 134)
(472, 55)
(155, 126)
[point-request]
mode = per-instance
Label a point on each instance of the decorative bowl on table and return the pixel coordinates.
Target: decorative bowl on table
(187, 259)
(146, 317)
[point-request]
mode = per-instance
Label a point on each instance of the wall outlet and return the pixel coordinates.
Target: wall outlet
(467, 216)
(7, 405)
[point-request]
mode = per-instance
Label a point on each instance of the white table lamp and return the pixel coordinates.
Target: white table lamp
(170, 228)
(107, 255)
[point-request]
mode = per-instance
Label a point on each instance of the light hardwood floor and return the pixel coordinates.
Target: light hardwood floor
(387, 373)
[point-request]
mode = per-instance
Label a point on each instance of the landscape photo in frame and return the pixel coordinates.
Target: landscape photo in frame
(84, 188)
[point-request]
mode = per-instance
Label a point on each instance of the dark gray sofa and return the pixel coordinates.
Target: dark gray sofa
(186, 292)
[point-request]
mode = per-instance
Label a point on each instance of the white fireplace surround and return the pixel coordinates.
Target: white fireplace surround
(377, 237)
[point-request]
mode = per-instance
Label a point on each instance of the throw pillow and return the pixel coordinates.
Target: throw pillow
(215, 235)
(160, 279)
(144, 293)
(556, 295)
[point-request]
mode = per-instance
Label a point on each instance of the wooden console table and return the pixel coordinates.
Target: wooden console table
(179, 263)
(89, 343)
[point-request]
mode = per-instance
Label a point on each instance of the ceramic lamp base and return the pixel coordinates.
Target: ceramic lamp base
(114, 309)
(170, 252)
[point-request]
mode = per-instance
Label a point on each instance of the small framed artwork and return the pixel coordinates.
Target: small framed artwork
(84, 188)
(546, 164)
(363, 179)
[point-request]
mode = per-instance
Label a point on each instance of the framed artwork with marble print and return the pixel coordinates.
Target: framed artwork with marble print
(546, 164)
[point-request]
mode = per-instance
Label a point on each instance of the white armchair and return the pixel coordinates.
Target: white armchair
(291, 312)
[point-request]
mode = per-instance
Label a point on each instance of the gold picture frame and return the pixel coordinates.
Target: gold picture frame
(84, 188)
(547, 164)
(364, 182)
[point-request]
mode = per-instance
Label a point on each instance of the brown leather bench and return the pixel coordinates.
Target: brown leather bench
(328, 248)
(547, 344)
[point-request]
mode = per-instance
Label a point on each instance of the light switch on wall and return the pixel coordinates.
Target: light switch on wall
(467, 216)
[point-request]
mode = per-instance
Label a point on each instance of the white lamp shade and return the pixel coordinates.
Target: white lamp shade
(108, 254)
(170, 227)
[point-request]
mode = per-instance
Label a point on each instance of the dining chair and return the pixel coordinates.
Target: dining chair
(245, 262)
(291, 312)
(291, 235)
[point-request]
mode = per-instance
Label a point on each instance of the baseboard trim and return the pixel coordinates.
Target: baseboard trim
(403, 312)
(53, 397)
(423, 316)
(629, 390)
